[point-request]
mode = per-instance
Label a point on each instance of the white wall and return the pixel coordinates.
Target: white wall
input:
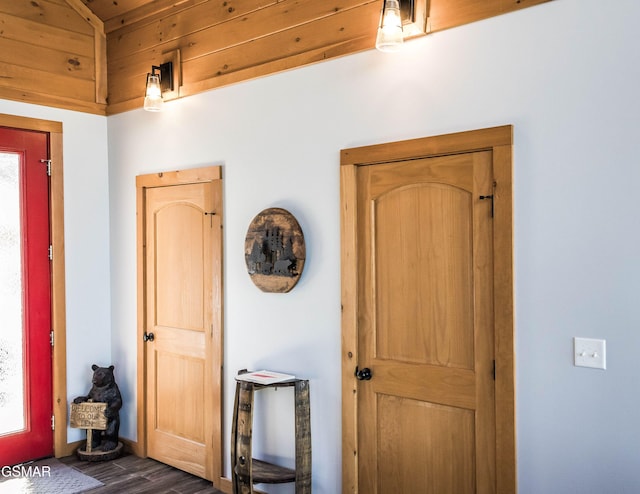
(565, 74)
(86, 237)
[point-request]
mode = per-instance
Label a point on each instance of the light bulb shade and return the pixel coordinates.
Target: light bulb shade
(153, 94)
(390, 37)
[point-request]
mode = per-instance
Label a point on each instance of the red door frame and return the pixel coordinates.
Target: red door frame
(36, 441)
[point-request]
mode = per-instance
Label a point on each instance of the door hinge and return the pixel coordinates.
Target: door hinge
(48, 163)
(482, 198)
(212, 214)
(53, 422)
(51, 252)
(490, 196)
(51, 340)
(494, 370)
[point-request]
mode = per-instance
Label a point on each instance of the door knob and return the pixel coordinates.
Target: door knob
(363, 374)
(148, 337)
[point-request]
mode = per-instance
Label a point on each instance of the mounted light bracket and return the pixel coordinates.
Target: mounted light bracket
(407, 11)
(166, 75)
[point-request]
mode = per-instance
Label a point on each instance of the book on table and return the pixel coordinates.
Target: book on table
(264, 377)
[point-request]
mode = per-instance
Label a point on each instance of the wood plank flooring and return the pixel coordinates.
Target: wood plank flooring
(133, 475)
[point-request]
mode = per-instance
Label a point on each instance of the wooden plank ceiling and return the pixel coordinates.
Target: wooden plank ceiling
(95, 54)
(218, 42)
(48, 54)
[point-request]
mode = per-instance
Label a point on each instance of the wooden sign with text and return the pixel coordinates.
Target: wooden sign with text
(88, 415)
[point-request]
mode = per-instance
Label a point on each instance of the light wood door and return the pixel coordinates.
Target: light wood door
(183, 357)
(427, 306)
(426, 418)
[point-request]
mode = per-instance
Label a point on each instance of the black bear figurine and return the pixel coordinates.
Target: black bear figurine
(105, 390)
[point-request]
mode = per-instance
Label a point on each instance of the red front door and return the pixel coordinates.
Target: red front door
(25, 298)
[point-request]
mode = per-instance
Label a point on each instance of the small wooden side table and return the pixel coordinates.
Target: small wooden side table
(245, 470)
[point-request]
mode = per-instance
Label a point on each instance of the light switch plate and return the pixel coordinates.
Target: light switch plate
(589, 352)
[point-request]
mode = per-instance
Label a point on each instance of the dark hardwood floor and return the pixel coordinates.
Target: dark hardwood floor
(132, 475)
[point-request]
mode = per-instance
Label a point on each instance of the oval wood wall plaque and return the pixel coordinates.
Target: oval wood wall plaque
(274, 250)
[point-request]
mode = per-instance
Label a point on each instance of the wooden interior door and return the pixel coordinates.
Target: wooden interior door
(425, 391)
(182, 335)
